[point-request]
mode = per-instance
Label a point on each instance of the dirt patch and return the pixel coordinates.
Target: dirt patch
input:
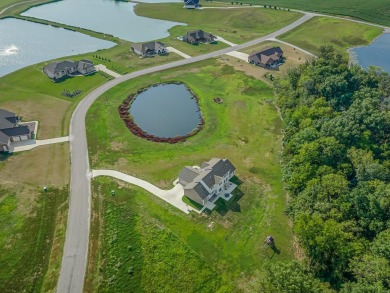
(44, 165)
(117, 146)
(48, 111)
(180, 73)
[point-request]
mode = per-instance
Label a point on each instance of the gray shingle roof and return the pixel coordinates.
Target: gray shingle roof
(187, 175)
(7, 119)
(144, 47)
(15, 131)
(271, 54)
(3, 138)
(210, 174)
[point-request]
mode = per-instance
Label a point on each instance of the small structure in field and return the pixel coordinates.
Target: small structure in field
(59, 70)
(218, 100)
(149, 49)
(269, 241)
(198, 36)
(271, 57)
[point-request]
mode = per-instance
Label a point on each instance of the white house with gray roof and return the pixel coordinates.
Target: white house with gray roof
(149, 49)
(210, 181)
(58, 70)
(11, 130)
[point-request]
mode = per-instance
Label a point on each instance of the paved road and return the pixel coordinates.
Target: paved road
(77, 235)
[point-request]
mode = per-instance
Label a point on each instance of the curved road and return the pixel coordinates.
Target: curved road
(74, 260)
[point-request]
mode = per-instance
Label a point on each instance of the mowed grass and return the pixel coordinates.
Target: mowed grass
(321, 31)
(235, 25)
(247, 130)
(31, 94)
(377, 11)
(27, 228)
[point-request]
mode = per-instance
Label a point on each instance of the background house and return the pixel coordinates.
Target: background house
(191, 4)
(198, 36)
(11, 130)
(271, 57)
(58, 70)
(208, 182)
(149, 49)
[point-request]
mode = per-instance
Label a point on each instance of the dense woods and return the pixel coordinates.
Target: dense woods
(336, 168)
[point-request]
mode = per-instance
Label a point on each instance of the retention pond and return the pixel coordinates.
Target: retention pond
(376, 54)
(166, 112)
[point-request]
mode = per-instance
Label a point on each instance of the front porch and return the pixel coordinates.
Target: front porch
(226, 194)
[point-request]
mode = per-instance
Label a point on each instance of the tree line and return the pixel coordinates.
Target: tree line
(336, 169)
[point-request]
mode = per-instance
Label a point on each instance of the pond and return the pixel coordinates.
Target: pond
(166, 110)
(376, 54)
(110, 17)
(24, 43)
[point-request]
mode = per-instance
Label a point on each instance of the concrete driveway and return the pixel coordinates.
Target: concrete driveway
(172, 196)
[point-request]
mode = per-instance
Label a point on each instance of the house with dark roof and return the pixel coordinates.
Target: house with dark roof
(11, 130)
(191, 4)
(149, 49)
(208, 182)
(271, 57)
(58, 70)
(198, 36)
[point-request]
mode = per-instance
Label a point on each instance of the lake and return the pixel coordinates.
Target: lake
(166, 110)
(376, 54)
(23, 43)
(105, 16)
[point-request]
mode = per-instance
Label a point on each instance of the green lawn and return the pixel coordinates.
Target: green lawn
(18, 8)
(246, 129)
(235, 25)
(321, 31)
(377, 11)
(28, 221)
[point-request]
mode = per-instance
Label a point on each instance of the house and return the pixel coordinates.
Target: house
(191, 4)
(271, 57)
(149, 49)
(58, 70)
(198, 36)
(11, 130)
(209, 182)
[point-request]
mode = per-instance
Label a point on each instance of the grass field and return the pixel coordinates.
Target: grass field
(377, 11)
(235, 25)
(128, 227)
(17, 8)
(27, 228)
(321, 31)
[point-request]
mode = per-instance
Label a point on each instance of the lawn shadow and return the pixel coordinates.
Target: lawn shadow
(223, 206)
(274, 250)
(4, 156)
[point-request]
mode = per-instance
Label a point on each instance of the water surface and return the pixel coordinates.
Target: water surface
(376, 54)
(105, 16)
(166, 110)
(23, 43)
